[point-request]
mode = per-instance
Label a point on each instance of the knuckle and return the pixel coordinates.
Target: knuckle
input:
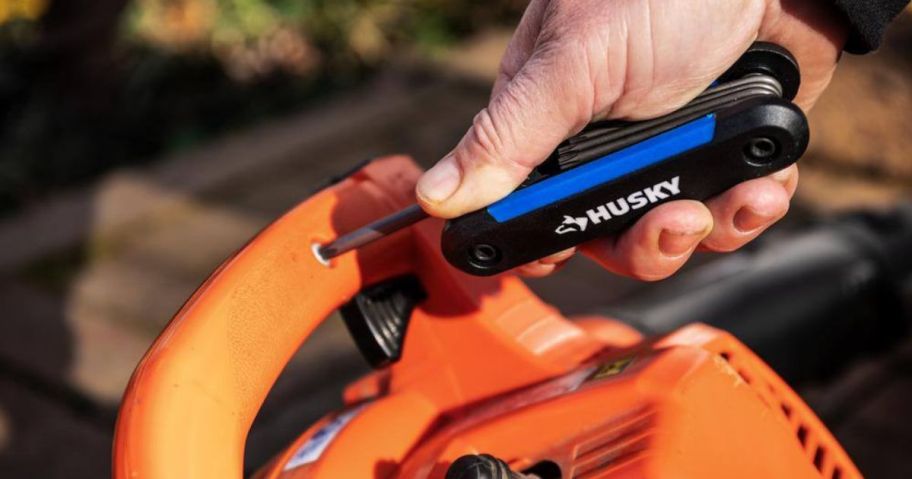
(567, 14)
(645, 267)
(650, 274)
(535, 269)
(486, 139)
(565, 23)
(491, 141)
(556, 9)
(506, 71)
(509, 65)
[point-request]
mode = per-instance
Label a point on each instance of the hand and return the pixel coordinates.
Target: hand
(571, 62)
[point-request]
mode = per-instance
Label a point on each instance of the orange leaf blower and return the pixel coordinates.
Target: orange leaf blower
(475, 376)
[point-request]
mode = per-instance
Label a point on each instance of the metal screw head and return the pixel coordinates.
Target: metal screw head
(484, 255)
(761, 149)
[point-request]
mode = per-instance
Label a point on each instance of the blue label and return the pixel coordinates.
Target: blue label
(311, 450)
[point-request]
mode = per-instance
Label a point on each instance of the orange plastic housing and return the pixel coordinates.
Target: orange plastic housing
(487, 367)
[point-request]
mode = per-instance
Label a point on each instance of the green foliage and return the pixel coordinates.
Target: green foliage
(185, 71)
(366, 30)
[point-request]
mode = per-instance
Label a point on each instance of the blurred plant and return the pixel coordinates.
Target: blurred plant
(17, 21)
(84, 87)
(11, 10)
(253, 38)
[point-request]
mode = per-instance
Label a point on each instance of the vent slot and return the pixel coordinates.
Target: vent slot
(802, 435)
(613, 445)
(786, 409)
(817, 452)
(819, 455)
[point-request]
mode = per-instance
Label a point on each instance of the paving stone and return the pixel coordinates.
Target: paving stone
(50, 227)
(133, 296)
(42, 438)
(34, 333)
(122, 197)
(105, 352)
(147, 238)
(65, 346)
(479, 57)
(191, 245)
(426, 126)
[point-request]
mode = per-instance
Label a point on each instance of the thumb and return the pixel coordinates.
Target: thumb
(523, 123)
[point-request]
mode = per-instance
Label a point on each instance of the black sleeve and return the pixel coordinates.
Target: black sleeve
(867, 21)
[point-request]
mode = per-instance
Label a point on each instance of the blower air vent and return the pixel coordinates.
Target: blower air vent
(620, 441)
(815, 447)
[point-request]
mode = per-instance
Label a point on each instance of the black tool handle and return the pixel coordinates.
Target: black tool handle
(750, 140)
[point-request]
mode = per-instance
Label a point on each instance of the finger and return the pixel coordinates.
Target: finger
(743, 212)
(536, 269)
(559, 88)
(518, 130)
(546, 265)
(558, 257)
(658, 244)
(815, 34)
(788, 178)
(521, 45)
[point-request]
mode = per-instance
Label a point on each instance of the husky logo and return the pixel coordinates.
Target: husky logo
(571, 224)
(620, 206)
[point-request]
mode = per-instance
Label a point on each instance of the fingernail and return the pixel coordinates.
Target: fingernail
(440, 182)
(676, 243)
(559, 256)
(782, 176)
(747, 220)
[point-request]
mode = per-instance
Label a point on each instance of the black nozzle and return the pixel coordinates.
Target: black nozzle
(807, 300)
(480, 466)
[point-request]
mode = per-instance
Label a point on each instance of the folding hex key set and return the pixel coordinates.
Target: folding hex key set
(603, 179)
(475, 377)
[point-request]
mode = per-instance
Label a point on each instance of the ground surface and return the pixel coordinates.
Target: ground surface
(88, 279)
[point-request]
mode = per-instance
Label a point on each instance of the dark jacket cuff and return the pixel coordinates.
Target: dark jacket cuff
(868, 19)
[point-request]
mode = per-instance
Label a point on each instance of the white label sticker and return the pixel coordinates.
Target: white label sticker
(313, 448)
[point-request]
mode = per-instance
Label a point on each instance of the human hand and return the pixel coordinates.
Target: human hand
(571, 62)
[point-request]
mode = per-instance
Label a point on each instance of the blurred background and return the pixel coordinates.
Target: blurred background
(142, 141)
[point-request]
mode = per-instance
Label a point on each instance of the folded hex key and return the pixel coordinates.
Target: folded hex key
(600, 181)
